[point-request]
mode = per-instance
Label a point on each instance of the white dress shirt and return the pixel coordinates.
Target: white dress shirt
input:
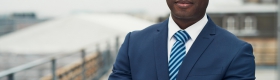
(192, 30)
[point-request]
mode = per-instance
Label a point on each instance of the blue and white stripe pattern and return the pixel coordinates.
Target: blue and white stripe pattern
(178, 52)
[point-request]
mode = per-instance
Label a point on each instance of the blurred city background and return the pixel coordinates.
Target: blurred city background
(79, 39)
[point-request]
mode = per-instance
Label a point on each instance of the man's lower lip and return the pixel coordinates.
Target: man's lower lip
(183, 5)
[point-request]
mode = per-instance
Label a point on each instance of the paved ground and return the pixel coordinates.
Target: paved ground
(105, 77)
(266, 73)
(262, 73)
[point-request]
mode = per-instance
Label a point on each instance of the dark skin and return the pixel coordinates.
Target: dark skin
(187, 12)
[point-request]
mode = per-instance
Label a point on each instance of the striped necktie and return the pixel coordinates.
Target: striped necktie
(178, 52)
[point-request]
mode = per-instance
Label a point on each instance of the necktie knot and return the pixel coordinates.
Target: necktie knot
(182, 36)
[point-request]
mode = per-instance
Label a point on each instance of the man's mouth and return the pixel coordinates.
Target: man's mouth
(183, 3)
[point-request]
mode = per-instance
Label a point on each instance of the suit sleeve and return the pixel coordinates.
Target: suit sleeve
(121, 68)
(242, 66)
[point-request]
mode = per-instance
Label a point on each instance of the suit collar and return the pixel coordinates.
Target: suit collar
(202, 42)
(160, 50)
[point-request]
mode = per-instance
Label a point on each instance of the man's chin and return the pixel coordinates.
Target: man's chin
(183, 16)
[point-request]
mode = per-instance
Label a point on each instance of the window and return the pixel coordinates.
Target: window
(268, 1)
(241, 25)
(249, 25)
(251, 1)
(261, 1)
(230, 23)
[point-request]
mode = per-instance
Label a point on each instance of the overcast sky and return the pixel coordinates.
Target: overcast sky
(56, 8)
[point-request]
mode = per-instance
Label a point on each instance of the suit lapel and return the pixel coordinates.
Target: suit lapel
(199, 46)
(160, 48)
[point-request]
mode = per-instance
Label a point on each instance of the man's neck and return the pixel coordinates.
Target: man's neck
(185, 23)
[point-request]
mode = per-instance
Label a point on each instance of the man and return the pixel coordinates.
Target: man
(187, 46)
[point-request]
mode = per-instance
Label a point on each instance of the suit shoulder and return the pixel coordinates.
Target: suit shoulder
(228, 36)
(147, 30)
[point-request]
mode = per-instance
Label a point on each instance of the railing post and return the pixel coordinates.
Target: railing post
(117, 49)
(99, 58)
(83, 64)
(97, 48)
(113, 55)
(107, 55)
(54, 77)
(11, 76)
(117, 44)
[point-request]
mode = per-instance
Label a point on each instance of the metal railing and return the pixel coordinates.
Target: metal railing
(10, 73)
(106, 60)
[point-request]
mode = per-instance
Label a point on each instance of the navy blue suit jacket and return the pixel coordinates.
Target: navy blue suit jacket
(216, 54)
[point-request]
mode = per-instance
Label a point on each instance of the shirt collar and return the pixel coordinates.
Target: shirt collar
(192, 30)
